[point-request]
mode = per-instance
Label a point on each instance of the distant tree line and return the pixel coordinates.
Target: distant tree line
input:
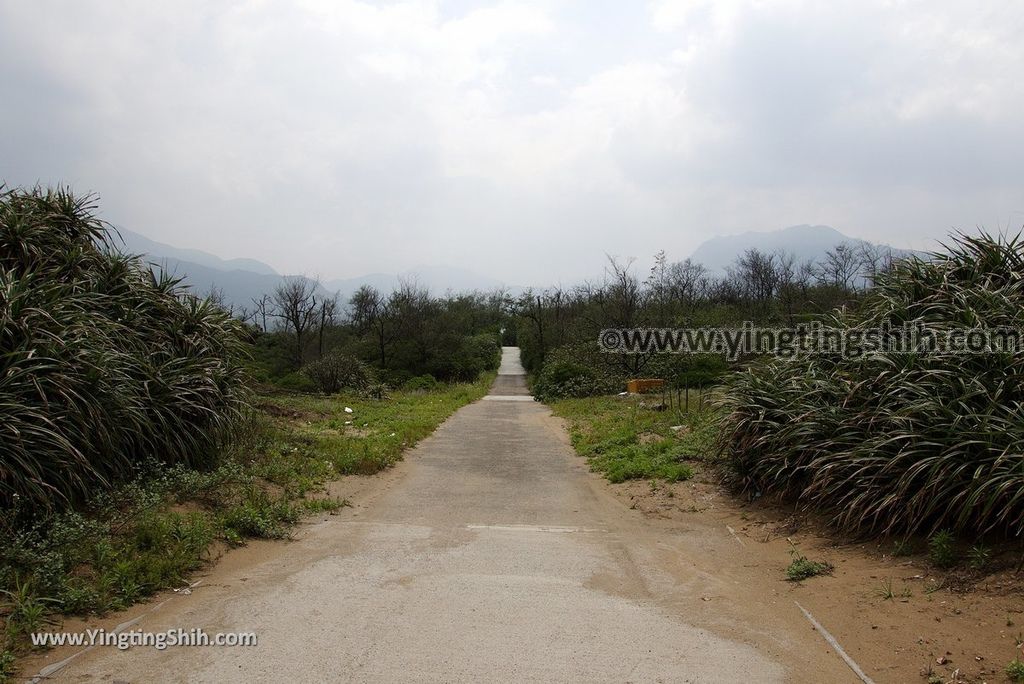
(561, 325)
(400, 334)
(409, 332)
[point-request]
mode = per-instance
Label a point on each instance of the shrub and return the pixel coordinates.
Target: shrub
(466, 359)
(898, 442)
(421, 382)
(296, 381)
(559, 379)
(801, 568)
(942, 549)
(577, 371)
(336, 371)
(101, 360)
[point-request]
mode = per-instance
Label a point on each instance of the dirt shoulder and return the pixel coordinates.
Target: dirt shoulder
(904, 620)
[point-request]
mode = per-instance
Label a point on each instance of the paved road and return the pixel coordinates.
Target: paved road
(490, 554)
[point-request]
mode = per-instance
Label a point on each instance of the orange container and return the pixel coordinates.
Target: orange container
(645, 386)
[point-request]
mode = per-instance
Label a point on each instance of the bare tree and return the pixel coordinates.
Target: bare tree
(217, 298)
(295, 303)
(622, 308)
(263, 308)
(531, 307)
(874, 260)
(412, 310)
(659, 286)
(688, 282)
(756, 276)
(372, 312)
(840, 267)
(328, 314)
(623, 293)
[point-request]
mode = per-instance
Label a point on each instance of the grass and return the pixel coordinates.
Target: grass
(149, 534)
(979, 557)
(902, 547)
(942, 549)
(325, 441)
(801, 568)
(622, 440)
(1015, 670)
(887, 593)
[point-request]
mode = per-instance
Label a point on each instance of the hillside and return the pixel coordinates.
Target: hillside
(806, 242)
(240, 280)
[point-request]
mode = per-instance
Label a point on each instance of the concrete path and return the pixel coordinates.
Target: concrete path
(491, 554)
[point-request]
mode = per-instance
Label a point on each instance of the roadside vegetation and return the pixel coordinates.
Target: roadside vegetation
(101, 361)
(632, 437)
(898, 442)
(124, 544)
(920, 451)
(801, 568)
(145, 429)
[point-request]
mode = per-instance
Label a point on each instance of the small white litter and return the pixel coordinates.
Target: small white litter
(348, 410)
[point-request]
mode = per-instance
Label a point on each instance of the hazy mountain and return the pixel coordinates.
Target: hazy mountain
(242, 280)
(134, 243)
(806, 242)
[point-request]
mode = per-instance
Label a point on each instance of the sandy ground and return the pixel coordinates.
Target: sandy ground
(492, 554)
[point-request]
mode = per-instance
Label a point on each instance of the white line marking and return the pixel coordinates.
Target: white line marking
(508, 397)
(734, 535)
(835, 644)
(533, 528)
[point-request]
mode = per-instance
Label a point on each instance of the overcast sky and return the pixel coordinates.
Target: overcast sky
(523, 140)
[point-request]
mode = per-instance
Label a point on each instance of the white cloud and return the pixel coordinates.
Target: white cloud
(309, 134)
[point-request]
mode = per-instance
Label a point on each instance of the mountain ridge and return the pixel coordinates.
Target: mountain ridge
(804, 241)
(240, 280)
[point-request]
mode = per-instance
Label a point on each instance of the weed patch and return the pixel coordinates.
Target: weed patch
(623, 440)
(1015, 670)
(801, 568)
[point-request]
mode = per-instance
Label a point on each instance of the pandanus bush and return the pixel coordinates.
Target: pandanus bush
(104, 365)
(897, 441)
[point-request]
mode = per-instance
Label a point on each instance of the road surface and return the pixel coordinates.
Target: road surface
(489, 554)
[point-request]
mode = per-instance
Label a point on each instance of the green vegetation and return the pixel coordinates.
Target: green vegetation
(130, 444)
(1015, 670)
(101, 361)
(629, 438)
(336, 371)
(942, 549)
(979, 556)
(150, 533)
(898, 442)
(902, 547)
(307, 340)
(801, 568)
(367, 440)
(887, 593)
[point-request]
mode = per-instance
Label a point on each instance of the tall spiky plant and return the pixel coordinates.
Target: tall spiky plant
(103, 365)
(899, 442)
